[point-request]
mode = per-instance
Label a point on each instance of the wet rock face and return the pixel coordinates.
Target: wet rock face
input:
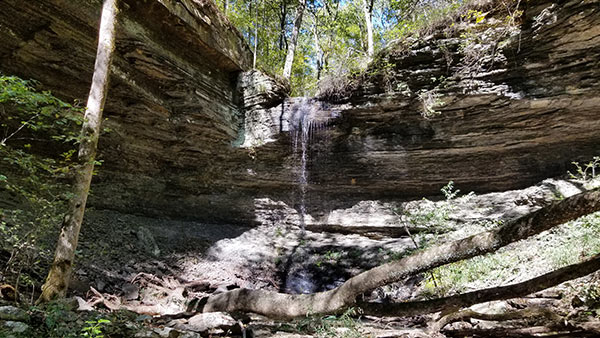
(193, 138)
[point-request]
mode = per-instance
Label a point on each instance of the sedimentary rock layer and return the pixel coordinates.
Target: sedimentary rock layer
(506, 105)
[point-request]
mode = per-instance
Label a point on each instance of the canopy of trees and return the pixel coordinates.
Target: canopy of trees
(335, 37)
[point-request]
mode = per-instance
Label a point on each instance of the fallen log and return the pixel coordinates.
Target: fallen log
(279, 305)
(456, 302)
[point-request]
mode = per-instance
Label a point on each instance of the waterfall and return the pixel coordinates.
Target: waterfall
(309, 121)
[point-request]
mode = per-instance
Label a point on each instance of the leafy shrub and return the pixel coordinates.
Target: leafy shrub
(342, 326)
(40, 133)
(586, 172)
(94, 328)
(564, 245)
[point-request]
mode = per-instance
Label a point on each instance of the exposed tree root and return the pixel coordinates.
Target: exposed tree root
(481, 296)
(278, 305)
(114, 303)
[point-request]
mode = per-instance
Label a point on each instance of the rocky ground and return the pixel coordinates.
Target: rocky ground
(143, 268)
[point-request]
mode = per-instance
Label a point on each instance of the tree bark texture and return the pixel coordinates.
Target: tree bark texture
(255, 37)
(318, 51)
(279, 305)
(289, 57)
(57, 282)
(282, 22)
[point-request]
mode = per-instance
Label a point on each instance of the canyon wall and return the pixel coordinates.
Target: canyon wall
(172, 106)
(505, 106)
(495, 105)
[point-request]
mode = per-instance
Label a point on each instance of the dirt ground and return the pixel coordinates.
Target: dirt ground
(161, 267)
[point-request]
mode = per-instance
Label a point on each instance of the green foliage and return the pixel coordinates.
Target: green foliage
(449, 192)
(586, 172)
(330, 256)
(391, 255)
(567, 244)
(94, 328)
(59, 321)
(23, 107)
(590, 294)
(40, 133)
(332, 43)
(434, 215)
(418, 19)
(341, 326)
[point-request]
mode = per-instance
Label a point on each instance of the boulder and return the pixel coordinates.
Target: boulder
(14, 328)
(205, 322)
(146, 242)
(12, 313)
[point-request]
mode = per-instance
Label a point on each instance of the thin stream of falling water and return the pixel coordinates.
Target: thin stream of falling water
(306, 137)
(309, 123)
(302, 138)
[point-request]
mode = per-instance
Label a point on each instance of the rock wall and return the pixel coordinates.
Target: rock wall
(194, 138)
(502, 107)
(173, 103)
(509, 108)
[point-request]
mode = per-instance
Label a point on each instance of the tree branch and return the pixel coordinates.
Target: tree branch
(486, 295)
(279, 305)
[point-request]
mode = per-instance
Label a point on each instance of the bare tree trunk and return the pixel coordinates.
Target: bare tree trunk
(368, 10)
(226, 7)
(255, 36)
(289, 58)
(57, 282)
(282, 22)
(280, 305)
(318, 50)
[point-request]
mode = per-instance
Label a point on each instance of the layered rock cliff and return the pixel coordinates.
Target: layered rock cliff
(172, 106)
(509, 105)
(499, 108)
(494, 105)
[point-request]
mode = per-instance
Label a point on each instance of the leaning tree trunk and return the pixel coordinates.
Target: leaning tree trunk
(57, 281)
(279, 305)
(289, 57)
